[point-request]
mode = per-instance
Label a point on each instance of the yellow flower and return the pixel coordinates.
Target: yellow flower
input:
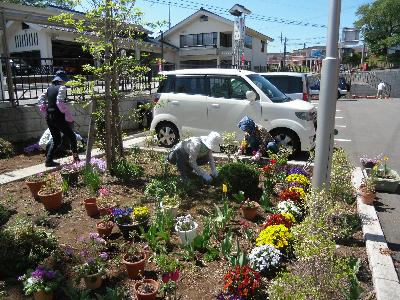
(278, 236)
(289, 217)
(386, 158)
(243, 144)
(224, 188)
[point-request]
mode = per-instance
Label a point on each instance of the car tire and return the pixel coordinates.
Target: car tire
(167, 134)
(287, 138)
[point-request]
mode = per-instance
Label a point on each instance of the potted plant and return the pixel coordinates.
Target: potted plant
(34, 183)
(91, 206)
(129, 219)
(105, 202)
(146, 289)
(169, 267)
(134, 261)
(367, 189)
(170, 204)
(92, 260)
(186, 228)
(51, 192)
(105, 226)
(41, 282)
(369, 163)
(387, 180)
(249, 209)
(70, 172)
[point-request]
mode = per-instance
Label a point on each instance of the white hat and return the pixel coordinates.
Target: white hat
(212, 141)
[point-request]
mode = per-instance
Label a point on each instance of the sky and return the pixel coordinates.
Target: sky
(299, 21)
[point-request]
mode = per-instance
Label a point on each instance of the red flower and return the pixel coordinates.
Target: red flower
(242, 281)
(290, 195)
(272, 161)
(276, 219)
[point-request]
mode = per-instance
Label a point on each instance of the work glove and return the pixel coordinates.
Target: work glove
(256, 157)
(207, 178)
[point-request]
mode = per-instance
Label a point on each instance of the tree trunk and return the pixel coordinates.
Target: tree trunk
(91, 134)
(107, 86)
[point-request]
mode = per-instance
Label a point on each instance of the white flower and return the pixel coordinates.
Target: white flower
(289, 207)
(264, 258)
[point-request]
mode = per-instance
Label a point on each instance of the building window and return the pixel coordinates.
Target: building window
(262, 46)
(25, 26)
(225, 39)
(248, 41)
(197, 40)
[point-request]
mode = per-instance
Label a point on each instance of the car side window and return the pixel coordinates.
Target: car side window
(239, 88)
(219, 87)
(166, 85)
(191, 85)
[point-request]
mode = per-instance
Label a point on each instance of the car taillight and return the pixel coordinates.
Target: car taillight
(305, 96)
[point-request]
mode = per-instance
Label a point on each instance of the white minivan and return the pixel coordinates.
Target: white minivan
(197, 101)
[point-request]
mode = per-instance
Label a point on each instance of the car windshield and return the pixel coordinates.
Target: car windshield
(268, 88)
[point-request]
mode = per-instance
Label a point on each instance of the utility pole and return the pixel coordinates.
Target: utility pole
(6, 53)
(284, 54)
(327, 102)
(169, 15)
(162, 45)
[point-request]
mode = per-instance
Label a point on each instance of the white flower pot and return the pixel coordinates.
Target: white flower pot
(187, 236)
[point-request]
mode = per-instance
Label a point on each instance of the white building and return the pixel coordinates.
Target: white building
(204, 39)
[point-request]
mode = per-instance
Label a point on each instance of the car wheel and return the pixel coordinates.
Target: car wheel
(167, 134)
(286, 138)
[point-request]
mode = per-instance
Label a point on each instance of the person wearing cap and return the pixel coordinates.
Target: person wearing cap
(193, 152)
(257, 140)
(58, 118)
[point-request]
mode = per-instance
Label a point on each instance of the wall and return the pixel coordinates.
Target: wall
(25, 122)
(393, 78)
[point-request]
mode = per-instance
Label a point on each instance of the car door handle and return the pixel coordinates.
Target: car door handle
(215, 105)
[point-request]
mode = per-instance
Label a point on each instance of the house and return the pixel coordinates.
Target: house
(205, 39)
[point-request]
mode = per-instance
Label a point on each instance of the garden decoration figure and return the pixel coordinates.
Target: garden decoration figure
(257, 139)
(58, 117)
(193, 152)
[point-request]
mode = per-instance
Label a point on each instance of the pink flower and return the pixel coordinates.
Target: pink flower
(103, 192)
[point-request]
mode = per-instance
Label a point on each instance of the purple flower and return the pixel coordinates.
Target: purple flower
(21, 278)
(103, 255)
(68, 250)
(227, 296)
(299, 171)
(32, 148)
(39, 273)
(93, 235)
(51, 274)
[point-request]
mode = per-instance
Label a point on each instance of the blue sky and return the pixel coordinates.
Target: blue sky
(313, 12)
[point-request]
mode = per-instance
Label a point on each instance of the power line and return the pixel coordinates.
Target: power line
(216, 9)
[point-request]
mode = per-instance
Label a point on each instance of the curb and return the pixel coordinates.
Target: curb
(384, 276)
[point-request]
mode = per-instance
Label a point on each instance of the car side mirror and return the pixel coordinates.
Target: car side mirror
(251, 96)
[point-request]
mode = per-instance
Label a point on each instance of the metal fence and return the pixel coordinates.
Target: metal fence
(32, 76)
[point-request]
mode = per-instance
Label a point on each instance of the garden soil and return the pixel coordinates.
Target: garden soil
(199, 280)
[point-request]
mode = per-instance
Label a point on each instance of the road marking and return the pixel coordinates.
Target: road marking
(341, 126)
(342, 140)
(338, 110)
(338, 117)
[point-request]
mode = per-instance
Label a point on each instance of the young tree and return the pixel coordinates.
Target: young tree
(379, 22)
(61, 3)
(108, 28)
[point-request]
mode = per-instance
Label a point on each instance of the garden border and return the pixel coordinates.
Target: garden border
(384, 276)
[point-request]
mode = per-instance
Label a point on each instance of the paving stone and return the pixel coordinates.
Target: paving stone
(386, 289)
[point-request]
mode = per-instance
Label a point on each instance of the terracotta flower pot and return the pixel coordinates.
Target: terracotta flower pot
(51, 201)
(34, 187)
(134, 268)
(366, 197)
(104, 211)
(93, 282)
(249, 213)
(91, 207)
(104, 228)
(146, 296)
(42, 295)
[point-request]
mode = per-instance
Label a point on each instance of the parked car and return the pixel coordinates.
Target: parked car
(197, 101)
(20, 67)
(293, 84)
(315, 86)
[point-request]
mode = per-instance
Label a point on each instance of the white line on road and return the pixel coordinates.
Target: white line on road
(338, 110)
(342, 140)
(341, 126)
(338, 117)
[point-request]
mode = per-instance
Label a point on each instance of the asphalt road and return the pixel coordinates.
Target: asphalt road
(372, 126)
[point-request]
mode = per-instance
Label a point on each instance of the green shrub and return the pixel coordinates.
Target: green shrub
(164, 186)
(240, 176)
(127, 171)
(4, 215)
(92, 179)
(6, 149)
(24, 246)
(341, 187)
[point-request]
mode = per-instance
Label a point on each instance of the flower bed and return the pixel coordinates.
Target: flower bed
(226, 248)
